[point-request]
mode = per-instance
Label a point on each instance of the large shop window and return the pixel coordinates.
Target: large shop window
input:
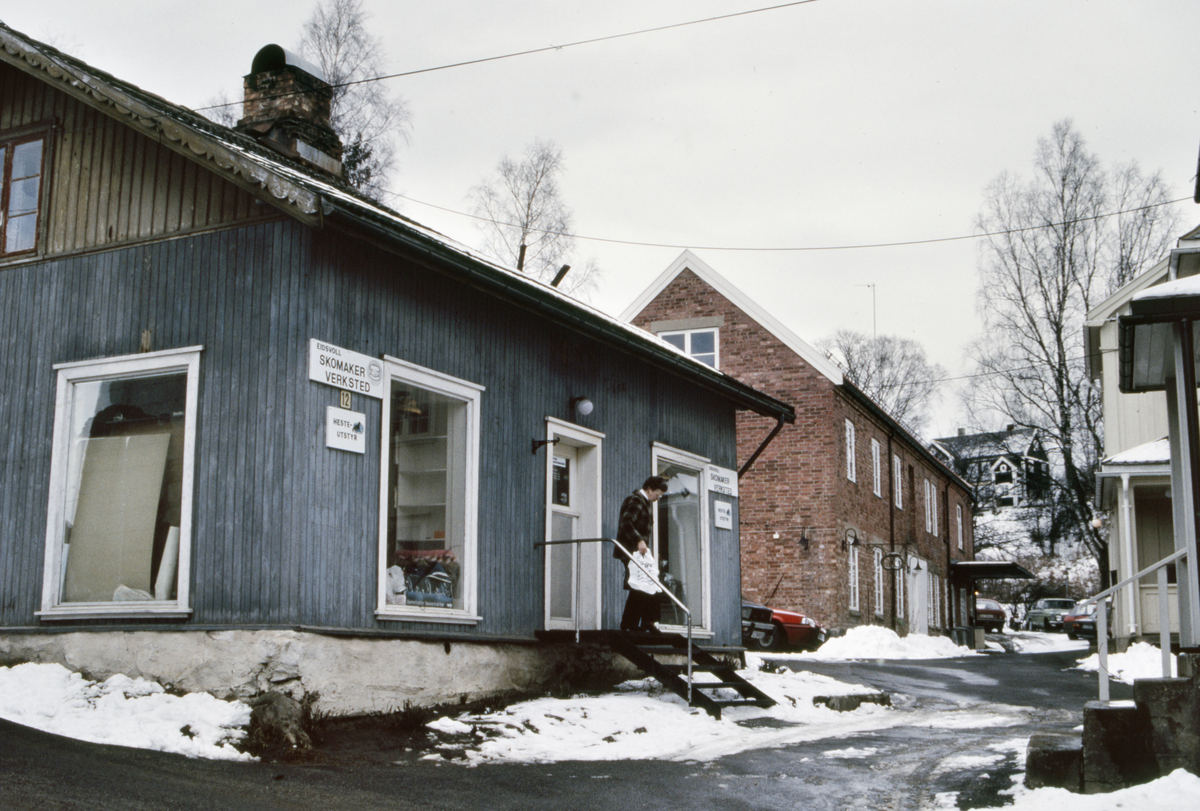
(20, 194)
(431, 477)
(119, 528)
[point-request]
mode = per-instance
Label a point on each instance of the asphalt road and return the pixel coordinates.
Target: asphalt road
(955, 711)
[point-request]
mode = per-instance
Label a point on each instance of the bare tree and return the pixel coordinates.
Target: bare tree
(1050, 254)
(221, 110)
(364, 117)
(894, 371)
(525, 222)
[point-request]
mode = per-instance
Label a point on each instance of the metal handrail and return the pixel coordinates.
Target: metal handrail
(629, 556)
(1164, 617)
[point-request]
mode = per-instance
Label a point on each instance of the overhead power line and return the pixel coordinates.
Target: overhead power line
(547, 48)
(796, 248)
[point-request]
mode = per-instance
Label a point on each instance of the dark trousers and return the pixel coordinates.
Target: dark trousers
(641, 611)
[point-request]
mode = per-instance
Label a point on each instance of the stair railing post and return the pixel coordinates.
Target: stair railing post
(578, 586)
(1102, 646)
(1164, 622)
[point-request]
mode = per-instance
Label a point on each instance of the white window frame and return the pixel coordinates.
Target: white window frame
(125, 367)
(854, 602)
(931, 523)
(959, 515)
(851, 468)
(898, 481)
(898, 579)
(878, 582)
(687, 342)
(876, 468)
(471, 394)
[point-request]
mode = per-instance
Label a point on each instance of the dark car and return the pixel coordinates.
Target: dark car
(756, 623)
(791, 629)
(989, 614)
(1080, 621)
(1046, 614)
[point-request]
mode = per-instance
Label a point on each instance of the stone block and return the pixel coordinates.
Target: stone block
(1054, 761)
(1117, 748)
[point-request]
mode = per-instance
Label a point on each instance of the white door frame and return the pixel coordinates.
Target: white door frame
(701, 625)
(918, 596)
(586, 486)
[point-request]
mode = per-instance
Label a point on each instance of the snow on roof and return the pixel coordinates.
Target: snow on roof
(989, 445)
(1157, 452)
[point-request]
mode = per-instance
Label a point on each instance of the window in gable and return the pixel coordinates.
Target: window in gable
(701, 344)
(20, 194)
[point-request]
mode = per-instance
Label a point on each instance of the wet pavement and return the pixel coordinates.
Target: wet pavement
(966, 723)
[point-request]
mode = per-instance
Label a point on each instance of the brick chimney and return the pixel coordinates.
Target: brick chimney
(287, 105)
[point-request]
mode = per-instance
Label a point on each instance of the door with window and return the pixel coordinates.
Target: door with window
(681, 536)
(572, 571)
(918, 593)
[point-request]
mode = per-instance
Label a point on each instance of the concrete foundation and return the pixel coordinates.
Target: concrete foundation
(1054, 761)
(345, 675)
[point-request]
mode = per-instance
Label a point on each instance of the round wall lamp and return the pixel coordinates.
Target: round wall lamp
(581, 406)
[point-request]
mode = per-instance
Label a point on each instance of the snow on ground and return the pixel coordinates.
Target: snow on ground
(1175, 792)
(1141, 661)
(877, 642)
(122, 711)
(642, 720)
(1039, 642)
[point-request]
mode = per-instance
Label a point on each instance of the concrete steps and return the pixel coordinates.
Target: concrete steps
(1125, 743)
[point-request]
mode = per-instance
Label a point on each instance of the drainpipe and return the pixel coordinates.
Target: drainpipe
(774, 432)
(891, 497)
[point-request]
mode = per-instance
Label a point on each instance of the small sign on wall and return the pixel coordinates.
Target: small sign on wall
(345, 430)
(723, 518)
(345, 369)
(722, 480)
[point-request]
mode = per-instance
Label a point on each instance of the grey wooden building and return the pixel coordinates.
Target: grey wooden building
(262, 431)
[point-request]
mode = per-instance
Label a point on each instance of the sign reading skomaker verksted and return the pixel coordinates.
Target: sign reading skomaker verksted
(345, 369)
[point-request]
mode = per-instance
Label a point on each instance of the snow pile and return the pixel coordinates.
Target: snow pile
(877, 642)
(1175, 792)
(1038, 642)
(122, 711)
(1141, 661)
(643, 721)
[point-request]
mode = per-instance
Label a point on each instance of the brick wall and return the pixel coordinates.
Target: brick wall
(798, 488)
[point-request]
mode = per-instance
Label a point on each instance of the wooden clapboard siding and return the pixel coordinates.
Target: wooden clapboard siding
(106, 184)
(285, 530)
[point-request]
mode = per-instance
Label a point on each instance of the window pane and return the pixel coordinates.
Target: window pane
(124, 490)
(21, 234)
(704, 343)
(710, 359)
(23, 197)
(675, 340)
(427, 494)
(27, 160)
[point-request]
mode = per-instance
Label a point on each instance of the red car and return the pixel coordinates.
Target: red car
(989, 614)
(792, 629)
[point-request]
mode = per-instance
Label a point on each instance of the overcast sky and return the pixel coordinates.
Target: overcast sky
(831, 123)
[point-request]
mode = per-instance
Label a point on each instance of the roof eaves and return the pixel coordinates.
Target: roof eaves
(551, 303)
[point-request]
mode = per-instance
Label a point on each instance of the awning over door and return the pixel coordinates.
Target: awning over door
(990, 569)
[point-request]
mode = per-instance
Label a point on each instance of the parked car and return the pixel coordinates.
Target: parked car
(1080, 621)
(756, 623)
(989, 615)
(1046, 615)
(792, 630)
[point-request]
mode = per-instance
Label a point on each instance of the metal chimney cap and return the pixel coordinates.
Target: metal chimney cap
(274, 57)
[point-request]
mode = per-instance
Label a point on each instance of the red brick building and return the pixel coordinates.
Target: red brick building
(846, 515)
